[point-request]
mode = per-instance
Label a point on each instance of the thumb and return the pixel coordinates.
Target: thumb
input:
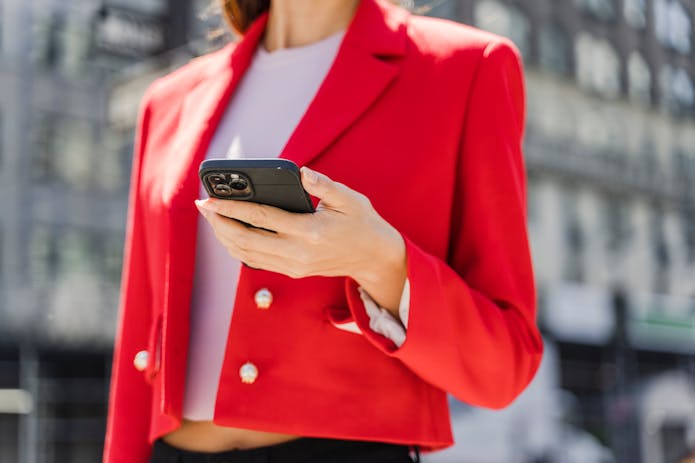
(332, 194)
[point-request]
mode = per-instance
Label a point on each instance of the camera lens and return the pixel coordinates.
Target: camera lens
(216, 179)
(222, 190)
(238, 183)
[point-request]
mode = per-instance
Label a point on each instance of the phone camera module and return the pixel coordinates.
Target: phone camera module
(228, 185)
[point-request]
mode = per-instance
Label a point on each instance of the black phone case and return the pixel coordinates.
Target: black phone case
(275, 182)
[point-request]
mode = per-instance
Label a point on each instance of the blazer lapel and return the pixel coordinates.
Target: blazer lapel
(358, 76)
(201, 111)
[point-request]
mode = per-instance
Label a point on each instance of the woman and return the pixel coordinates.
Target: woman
(348, 326)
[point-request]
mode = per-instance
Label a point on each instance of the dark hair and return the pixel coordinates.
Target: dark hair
(239, 14)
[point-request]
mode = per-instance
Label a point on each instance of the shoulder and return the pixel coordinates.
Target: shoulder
(444, 41)
(171, 87)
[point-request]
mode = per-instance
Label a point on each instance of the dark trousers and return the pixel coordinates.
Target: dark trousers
(305, 450)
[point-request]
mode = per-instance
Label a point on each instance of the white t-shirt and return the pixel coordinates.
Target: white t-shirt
(270, 101)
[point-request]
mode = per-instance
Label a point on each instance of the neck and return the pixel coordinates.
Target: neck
(293, 23)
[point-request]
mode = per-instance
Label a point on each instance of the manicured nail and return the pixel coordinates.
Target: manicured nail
(205, 204)
(201, 207)
(310, 175)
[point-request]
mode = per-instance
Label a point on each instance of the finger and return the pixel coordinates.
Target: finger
(243, 241)
(258, 215)
(259, 249)
(333, 195)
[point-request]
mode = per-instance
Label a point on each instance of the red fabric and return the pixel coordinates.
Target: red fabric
(423, 116)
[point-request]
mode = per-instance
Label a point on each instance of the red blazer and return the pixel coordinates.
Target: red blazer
(425, 117)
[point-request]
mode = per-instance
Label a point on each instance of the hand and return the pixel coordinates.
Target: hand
(344, 237)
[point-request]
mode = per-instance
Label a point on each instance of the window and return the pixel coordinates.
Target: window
(152, 7)
(67, 253)
(683, 170)
(676, 87)
(48, 31)
(553, 48)
(439, 9)
(75, 252)
(77, 39)
(648, 161)
(1, 27)
(688, 226)
(533, 200)
(575, 239)
(597, 65)
(110, 170)
(62, 149)
(504, 20)
(42, 254)
(635, 13)
(43, 138)
(129, 34)
(660, 253)
(616, 223)
(207, 23)
(2, 138)
(674, 440)
(601, 9)
(672, 25)
(639, 79)
(112, 258)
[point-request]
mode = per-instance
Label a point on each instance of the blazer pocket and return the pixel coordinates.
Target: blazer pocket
(341, 318)
(154, 348)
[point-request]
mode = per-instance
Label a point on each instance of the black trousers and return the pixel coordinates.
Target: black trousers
(305, 450)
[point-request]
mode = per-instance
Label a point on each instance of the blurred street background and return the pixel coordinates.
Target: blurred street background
(610, 152)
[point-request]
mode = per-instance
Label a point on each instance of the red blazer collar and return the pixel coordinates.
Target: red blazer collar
(378, 28)
(358, 76)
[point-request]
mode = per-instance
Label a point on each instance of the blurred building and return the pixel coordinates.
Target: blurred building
(64, 172)
(610, 150)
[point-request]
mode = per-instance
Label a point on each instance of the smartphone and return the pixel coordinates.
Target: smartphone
(276, 182)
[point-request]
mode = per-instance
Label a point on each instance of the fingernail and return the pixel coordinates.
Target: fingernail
(310, 175)
(201, 207)
(205, 204)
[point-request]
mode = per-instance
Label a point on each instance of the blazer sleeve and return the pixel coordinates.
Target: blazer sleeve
(472, 329)
(130, 394)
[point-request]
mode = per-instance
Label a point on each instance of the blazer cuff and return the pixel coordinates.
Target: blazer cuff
(381, 321)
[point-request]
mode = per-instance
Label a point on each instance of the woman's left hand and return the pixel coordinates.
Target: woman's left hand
(344, 237)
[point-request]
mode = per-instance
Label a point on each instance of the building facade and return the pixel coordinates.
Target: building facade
(610, 152)
(64, 174)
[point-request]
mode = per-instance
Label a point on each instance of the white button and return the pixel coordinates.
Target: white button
(141, 359)
(248, 373)
(263, 298)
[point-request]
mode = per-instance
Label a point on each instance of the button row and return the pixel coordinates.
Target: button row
(248, 371)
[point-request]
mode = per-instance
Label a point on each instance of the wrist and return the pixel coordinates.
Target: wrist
(384, 271)
(384, 255)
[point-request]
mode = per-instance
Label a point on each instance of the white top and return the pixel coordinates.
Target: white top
(267, 106)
